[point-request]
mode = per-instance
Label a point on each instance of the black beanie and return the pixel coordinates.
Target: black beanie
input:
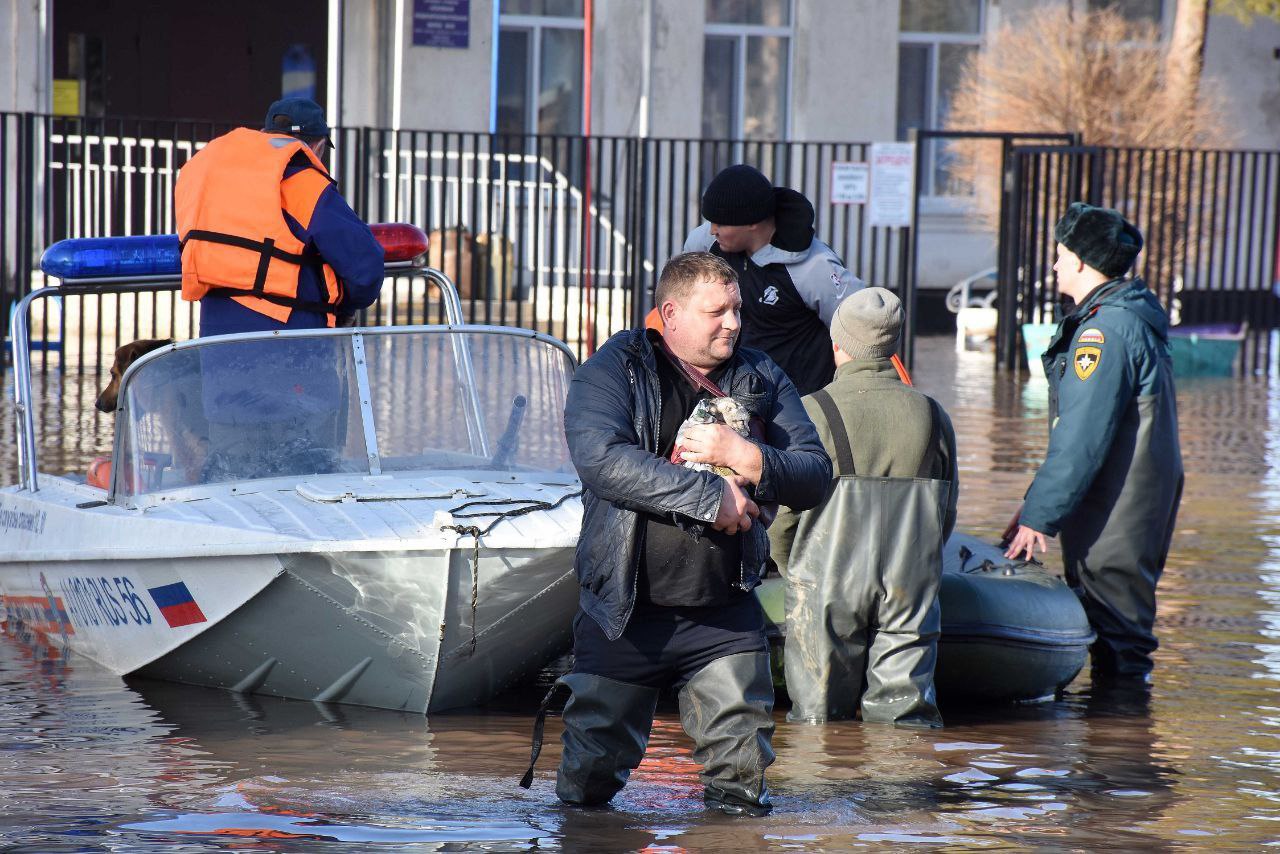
(1101, 237)
(739, 195)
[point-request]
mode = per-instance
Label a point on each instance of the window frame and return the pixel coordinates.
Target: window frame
(740, 33)
(1159, 21)
(934, 42)
(534, 25)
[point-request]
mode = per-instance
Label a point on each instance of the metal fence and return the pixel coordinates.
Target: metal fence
(1210, 220)
(564, 234)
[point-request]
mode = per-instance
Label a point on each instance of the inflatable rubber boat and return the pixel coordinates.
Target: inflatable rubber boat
(1012, 631)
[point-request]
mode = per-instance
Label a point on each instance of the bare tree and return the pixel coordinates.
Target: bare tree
(1109, 79)
(1096, 73)
(1184, 62)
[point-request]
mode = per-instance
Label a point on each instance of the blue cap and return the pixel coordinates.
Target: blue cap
(306, 118)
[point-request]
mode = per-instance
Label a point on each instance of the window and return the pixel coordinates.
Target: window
(937, 38)
(543, 8)
(540, 67)
(1133, 10)
(746, 69)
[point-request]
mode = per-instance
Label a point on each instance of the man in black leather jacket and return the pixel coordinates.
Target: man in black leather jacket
(668, 556)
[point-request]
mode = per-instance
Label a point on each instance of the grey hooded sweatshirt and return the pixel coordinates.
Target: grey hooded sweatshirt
(790, 290)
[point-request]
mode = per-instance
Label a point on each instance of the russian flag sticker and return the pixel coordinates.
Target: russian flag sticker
(177, 604)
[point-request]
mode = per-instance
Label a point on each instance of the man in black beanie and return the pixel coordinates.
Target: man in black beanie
(1112, 477)
(791, 282)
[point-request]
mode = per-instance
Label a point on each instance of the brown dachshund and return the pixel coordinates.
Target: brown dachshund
(181, 421)
(126, 356)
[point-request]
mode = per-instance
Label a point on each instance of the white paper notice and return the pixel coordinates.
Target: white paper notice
(893, 166)
(849, 183)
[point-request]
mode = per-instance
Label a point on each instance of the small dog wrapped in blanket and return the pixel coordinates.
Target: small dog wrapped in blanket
(715, 410)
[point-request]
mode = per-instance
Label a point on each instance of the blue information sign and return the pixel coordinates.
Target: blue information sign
(441, 23)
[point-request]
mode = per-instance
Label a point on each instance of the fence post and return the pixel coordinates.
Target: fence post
(639, 286)
(910, 285)
(1007, 280)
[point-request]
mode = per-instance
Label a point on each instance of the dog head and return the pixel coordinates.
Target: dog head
(731, 412)
(126, 356)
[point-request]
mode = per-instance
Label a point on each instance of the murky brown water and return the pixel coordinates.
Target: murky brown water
(89, 762)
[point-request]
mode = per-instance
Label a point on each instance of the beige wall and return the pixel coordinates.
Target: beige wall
(676, 82)
(446, 88)
(844, 70)
(617, 90)
(364, 100)
(26, 66)
(1242, 59)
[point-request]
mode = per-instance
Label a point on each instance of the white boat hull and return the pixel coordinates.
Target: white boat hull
(392, 628)
(280, 516)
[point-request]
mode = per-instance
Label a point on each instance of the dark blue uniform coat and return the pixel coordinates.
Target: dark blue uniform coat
(337, 235)
(1112, 478)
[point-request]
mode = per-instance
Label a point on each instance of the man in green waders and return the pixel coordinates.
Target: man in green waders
(864, 567)
(1112, 477)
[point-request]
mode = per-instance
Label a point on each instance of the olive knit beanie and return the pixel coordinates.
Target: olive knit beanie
(867, 324)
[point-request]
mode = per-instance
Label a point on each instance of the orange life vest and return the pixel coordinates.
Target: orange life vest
(230, 201)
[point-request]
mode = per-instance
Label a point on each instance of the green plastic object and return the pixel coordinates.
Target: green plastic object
(1198, 351)
(1035, 340)
(1208, 354)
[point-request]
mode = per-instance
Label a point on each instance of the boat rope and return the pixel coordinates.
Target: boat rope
(988, 565)
(475, 532)
(532, 505)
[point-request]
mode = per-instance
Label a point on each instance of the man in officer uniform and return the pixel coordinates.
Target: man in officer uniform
(1112, 478)
(791, 281)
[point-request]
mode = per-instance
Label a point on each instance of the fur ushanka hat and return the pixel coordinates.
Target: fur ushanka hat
(1103, 239)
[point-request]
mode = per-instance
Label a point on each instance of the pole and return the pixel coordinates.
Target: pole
(588, 18)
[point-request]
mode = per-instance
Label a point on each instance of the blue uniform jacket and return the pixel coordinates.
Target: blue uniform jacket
(1112, 411)
(342, 239)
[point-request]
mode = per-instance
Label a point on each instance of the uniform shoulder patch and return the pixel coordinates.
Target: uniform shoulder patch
(1086, 361)
(1091, 336)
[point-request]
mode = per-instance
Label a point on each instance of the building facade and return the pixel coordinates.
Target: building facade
(801, 70)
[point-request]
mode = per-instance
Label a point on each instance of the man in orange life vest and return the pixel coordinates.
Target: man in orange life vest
(268, 243)
(267, 240)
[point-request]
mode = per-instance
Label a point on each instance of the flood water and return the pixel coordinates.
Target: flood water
(91, 762)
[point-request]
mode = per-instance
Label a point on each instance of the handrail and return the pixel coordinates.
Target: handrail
(28, 476)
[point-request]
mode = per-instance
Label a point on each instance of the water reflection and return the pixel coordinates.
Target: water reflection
(88, 761)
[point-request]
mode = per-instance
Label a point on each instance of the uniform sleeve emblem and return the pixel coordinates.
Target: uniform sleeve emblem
(1091, 336)
(1086, 361)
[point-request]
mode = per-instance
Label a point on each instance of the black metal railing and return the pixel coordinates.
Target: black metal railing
(1210, 220)
(564, 234)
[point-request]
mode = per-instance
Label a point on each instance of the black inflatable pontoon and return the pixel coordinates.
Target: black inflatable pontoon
(1012, 631)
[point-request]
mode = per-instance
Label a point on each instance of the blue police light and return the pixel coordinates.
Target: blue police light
(113, 257)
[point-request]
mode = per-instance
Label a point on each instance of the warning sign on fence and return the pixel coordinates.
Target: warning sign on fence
(893, 167)
(849, 183)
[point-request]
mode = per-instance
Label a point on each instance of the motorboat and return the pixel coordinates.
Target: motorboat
(1012, 631)
(375, 516)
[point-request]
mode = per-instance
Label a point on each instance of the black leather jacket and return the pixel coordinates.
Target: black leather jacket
(612, 419)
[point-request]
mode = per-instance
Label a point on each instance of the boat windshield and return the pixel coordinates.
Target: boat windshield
(355, 402)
